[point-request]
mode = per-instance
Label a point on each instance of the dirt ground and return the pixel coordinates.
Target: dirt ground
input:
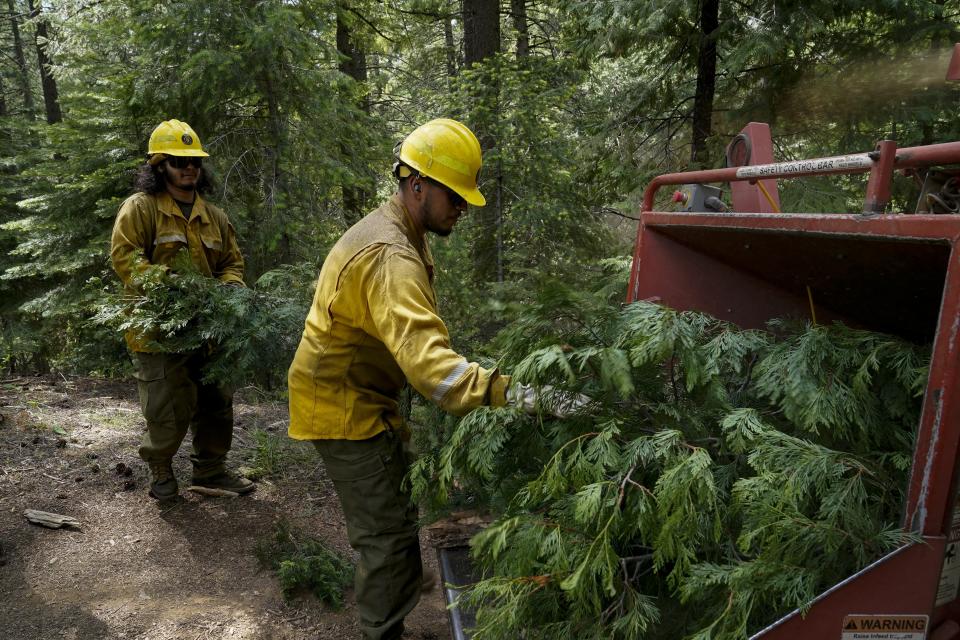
(138, 569)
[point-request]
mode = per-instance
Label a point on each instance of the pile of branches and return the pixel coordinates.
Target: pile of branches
(718, 478)
(249, 334)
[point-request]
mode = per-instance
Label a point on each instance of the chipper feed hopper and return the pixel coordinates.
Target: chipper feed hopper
(898, 274)
(746, 262)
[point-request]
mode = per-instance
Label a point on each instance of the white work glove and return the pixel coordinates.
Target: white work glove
(559, 404)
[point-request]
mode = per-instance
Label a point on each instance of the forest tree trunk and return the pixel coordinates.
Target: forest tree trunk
(706, 81)
(481, 41)
(21, 62)
(450, 48)
(275, 187)
(518, 9)
(481, 30)
(353, 62)
(938, 40)
(51, 96)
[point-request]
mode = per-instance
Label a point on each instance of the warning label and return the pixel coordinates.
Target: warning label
(865, 627)
(955, 521)
(949, 583)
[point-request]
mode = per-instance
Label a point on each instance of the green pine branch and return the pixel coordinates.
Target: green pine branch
(728, 474)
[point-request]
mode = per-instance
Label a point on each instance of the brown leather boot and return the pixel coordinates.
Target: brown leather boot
(227, 481)
(163, 484)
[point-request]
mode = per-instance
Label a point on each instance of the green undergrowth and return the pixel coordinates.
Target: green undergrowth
(305, 564)
(273, 455)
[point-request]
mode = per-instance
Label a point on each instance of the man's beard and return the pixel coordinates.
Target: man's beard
(427, 218)
(443, 233)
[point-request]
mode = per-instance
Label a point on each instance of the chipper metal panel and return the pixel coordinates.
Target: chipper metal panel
(898, 274)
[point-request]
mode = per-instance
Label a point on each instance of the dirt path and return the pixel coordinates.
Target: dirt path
(138, 570)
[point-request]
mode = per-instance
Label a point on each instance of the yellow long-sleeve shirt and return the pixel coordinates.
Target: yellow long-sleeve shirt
(150, 229)
(372, 327)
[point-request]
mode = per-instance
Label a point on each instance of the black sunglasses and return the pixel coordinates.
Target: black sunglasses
(182, 162)
(455, 198)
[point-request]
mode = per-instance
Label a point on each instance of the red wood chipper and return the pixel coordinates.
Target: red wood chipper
(894, 273)
(899, 274)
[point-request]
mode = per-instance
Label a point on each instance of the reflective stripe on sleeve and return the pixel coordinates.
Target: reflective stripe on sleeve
(444, 387)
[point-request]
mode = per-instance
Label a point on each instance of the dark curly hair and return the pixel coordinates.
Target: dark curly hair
(149, 180)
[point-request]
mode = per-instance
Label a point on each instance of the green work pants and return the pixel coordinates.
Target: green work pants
(381, 526)
(174, 399)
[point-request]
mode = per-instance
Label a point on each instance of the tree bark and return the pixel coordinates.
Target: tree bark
(450, 48)
(518, 9)
(51, 96)
(276, 183)
(21, 62)
(481, 40)
(481, 30)
(706, 81)
(353, 62)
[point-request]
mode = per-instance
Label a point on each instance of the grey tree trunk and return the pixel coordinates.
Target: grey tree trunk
(353, 62)
(51, 96)
(481, 30)
(481, 41)
(3, 99)
(22, 73)
(275, 180)
(938, 40)
(518, 10)
(450, 48)
(706, 81)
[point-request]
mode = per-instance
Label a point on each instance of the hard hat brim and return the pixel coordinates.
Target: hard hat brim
(157, 157)
(189, 153)
(474, 197)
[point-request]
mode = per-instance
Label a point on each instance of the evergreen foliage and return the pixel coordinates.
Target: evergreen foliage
(258, 82)
(718, 479)
(711, 462)
(827, 76)
(585, 102)
(251, 334)
(303, 563)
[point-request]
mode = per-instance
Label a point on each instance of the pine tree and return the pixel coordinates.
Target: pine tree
(252, 79)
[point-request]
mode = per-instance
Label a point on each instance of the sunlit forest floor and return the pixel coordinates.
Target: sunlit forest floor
(138, 569)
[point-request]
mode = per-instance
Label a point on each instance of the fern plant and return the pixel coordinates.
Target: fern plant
(718, 479)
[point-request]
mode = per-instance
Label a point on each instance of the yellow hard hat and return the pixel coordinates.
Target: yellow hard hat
(174, 138)
(446, 151)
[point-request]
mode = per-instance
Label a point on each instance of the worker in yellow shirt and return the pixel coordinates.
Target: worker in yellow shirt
(166, 216)
(373, 326)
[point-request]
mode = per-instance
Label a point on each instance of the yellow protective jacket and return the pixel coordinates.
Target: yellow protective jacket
(372, 327)
(150, 229)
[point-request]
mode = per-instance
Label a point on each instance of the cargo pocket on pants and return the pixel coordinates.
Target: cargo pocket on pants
(371, 494)
(152, 387)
